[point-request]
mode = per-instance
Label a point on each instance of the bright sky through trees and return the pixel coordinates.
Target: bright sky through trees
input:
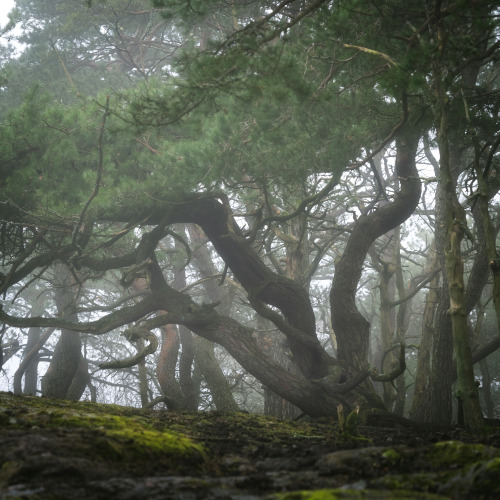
(5, 7)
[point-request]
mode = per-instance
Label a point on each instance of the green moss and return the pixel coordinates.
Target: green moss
(263, 428)
(417, 482)
(479, 480)
(485, 477)
(351, 494)
(108, 432)
(137, 433)
(455, 454)
(391, 455)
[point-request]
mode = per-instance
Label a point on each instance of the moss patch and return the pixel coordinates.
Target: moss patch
(103, 432)
(454, 454)
(88, 451)
(347, 494)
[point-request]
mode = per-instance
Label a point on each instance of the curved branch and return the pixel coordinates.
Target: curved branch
(133, 335)
(186, 246)
(103, 325)
(351, 327)
(292, 300)
(396, 372)
(416, 289)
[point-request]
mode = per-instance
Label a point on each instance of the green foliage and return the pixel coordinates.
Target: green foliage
(46, 147)
(272, 119)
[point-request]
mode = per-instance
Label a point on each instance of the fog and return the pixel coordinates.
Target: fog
(205, 209)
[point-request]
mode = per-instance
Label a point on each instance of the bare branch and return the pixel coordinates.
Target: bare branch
(133, 335)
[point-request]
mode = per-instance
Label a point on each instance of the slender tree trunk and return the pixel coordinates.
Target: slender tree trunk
(278, 347)
(31, 372)
(166, 367)
(455, 228)
(213, 375)
(186, 360)
(143, 377)
(80, 380)
(28, 358)
(402, 322)
(489, 229)
(386, 273)
(29, 367)
(420, 407)
(486, 389)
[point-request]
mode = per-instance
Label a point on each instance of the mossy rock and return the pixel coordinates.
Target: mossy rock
(109, 451)
(451, 468)
(453, 454)
(355, 494)
(101, 433)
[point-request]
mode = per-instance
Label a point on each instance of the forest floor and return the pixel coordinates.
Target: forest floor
(52, 449)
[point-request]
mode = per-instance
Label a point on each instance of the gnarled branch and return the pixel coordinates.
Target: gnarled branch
(133, 335)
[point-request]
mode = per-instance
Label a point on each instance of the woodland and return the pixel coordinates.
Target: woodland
(288, 208)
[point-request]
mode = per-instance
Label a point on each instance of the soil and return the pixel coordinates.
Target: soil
(53, 449)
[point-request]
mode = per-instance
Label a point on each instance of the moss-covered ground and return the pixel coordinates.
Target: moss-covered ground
(51, 449)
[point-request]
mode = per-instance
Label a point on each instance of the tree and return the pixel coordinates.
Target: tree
(250, 140)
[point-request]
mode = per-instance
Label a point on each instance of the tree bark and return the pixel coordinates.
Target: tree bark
(166, 365)
(213, 375)
(64, 364)
(31, 372)
(30, 355)
(263, 286)
(455, 229)
(351, 329)
(143, 377)
(420, 407)
(186, 360)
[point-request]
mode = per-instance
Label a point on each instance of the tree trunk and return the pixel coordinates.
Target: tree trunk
(351, 329)
(143, 377)
(402, 321)
(420, 407)
(166, 365)
(386, 273)
(80, 381)
(186, 360)
(64, 364)
(486, 389)
(29, 367)
(297, 268)
(30, 355)
(31, 372)
(455, 228)
(485, 193)
(212, 373)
